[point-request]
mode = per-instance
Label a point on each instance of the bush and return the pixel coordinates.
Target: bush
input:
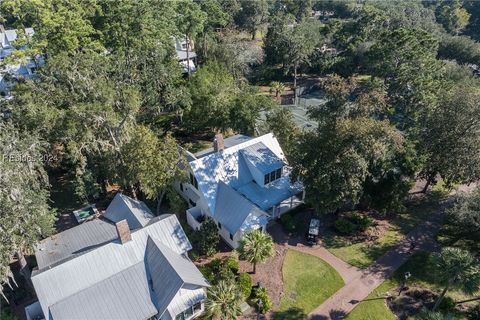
(245, 284)
(474, 313)
(289, 222)
(205, 240)
(447, 304)
(345, 226)
(353, 223)
(261, 293)
(233, 264)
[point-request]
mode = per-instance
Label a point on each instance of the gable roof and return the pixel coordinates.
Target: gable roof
(122, 207)
(232, 209)
(262, 158)
(125, 295)
(66, 279)
(172, 272)
(228, 166)
(73, 242)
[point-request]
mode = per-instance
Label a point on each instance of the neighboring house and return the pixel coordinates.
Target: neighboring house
(10, 73)
(181, 49)
(241, 183)
(105, 270)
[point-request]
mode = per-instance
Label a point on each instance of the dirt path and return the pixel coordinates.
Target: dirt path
(357, 289)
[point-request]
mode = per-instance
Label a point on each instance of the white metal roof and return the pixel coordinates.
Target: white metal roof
(87, 270)
(123, 207)
(228, 166)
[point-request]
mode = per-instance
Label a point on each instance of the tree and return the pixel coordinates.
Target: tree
(278, 88)
(456, 269)
(152, 164)
(300, 9)
(464, 217)
(280, 122)
(206, 238)
(452, 16)
(255, 247)
(213, 91)
(342, 161)
(24, 197)
(190, 22)
(252, 15)
(450, 137)
(223, 301)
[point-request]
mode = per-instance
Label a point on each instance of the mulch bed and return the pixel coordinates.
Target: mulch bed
(411, 301)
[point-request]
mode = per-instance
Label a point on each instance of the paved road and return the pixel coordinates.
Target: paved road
(358, 288)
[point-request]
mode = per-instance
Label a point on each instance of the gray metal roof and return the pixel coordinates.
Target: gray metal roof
(125, 295)
(122, 207)
(262, 158)
(72, 276)
(229, 142)
(232, 209)
(170, 272)
(73, 242)
(182, 55)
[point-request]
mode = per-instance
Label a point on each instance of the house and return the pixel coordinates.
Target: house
(126, 265)
(181, 45)
(11, 72)
(241, 183)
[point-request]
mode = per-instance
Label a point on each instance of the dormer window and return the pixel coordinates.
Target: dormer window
(272, 176)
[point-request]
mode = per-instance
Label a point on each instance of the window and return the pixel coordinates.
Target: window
(193, 204)
(181, 187)
(197, 307)
(231, 236)
(279, 173)
(193, 181)
(219, 225)
(188, 313)
(272, 176)
(266, 179)
(180, 316)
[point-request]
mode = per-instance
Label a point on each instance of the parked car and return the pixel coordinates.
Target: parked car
(313, 231)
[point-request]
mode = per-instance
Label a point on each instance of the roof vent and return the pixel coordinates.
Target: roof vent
(123, 231)
(218, 143)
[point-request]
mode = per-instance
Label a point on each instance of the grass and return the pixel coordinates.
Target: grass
(308, 282)
(363, 254)
(421, 267)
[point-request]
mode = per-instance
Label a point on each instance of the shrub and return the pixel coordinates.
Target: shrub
(288, 222)
(353, 223)
(474, 313)
(205, 240)
(345, 226)
(245, 284)
(447, 304)
(261, 293)
(233, 264)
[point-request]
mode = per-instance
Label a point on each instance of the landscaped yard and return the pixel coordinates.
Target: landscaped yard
(374, 306)
(308, 281)
(363, 253)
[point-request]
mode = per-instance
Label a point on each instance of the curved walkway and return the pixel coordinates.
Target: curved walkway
(358, 288)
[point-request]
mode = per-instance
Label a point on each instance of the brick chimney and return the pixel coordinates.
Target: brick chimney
(218, 143)
(123, 231)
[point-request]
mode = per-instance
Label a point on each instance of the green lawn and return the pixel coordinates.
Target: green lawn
(363, 254)
(308, 281)
(421, 268)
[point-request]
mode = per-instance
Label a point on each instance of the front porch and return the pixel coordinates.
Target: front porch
(285, 206)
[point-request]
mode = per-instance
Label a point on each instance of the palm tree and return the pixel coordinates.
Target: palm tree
(223, 301)
(277, 87)
(256, 246)
(456, 268)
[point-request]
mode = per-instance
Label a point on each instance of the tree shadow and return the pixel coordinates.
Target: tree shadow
(293, 313)
(334, 315)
